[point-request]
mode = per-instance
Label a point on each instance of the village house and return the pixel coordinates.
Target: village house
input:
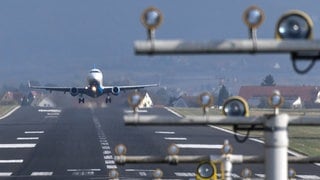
(295, 96)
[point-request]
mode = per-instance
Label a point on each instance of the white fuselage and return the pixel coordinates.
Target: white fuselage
(95, 79)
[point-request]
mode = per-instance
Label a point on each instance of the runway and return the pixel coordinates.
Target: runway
(78, 143)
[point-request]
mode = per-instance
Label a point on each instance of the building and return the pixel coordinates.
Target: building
(146, 102)
(46, 102)
(295, 96)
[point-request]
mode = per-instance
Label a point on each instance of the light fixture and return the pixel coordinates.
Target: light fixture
(205, 170)
(235, 106)
(120, 150)
(253, 17)
(294, 24)
(134, 100)
(276, 100)
(151, 18)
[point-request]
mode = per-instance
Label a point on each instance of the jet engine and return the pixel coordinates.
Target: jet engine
(115, 90)
(74, 91)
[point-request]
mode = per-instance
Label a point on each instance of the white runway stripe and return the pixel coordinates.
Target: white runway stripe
(76, 170)
(25, 145)
(185, 174)
(11, 161)
(5, 174)
(176, 138)
(308, 176)
(164, 132)
(27, 138)
(41, 173)
(34, 132)
(200, 146)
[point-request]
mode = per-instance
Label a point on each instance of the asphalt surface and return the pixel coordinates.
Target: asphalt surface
(78, 143)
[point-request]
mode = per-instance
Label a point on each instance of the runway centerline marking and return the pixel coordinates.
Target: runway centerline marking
(175, 138)
(34, 132)
(11, 161)
(41, 174)
(27, 138)
(23, 145)
(200, 146)
(75, 170)
(164, 132)
(5, 174)
(106, 150)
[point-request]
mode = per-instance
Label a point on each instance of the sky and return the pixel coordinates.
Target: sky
(58, 41)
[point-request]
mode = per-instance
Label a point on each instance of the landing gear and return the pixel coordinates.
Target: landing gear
(81, 100)
(108, 99)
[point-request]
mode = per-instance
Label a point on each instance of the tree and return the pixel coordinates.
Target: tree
(223, 95)
(268, 81)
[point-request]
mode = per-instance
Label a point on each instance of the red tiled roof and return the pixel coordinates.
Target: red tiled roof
(307, 93)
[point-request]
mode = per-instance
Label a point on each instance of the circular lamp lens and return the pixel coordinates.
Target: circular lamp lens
(246, 173)
(292, 173)
(173, 149)
(227, 149)
(121, 149)
(157, 173)
(205, 99)
(134, 99)
(296, 25)
(276, 100)
(151, 18)
(205, 170)
(253, 17)
(234, 107)
(113, 174)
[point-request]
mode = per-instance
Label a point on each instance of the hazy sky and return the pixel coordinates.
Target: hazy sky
(57, 41)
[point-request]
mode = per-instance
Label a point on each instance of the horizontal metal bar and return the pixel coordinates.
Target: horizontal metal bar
(236, 159)
(232, 46)
(214, 120)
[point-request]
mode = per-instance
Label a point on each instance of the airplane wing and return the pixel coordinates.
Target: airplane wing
(62, 89)
(112, 89)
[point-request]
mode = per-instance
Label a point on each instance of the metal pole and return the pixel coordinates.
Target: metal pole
(276, 147)
(226, 165)
(233, 46)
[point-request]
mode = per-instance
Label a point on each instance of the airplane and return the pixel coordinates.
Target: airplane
(94, 88)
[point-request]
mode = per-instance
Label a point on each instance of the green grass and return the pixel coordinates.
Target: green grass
(303, 139)
(4, 109)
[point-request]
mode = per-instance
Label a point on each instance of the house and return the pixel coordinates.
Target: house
(295, 96)
(11, 98)
(186, 101)
(146, 102)
(46, 102)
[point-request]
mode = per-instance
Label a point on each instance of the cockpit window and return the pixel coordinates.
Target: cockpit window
(94, 71)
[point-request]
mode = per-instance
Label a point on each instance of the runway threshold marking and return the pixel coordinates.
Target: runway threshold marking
(23, 145)
(200, 146)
